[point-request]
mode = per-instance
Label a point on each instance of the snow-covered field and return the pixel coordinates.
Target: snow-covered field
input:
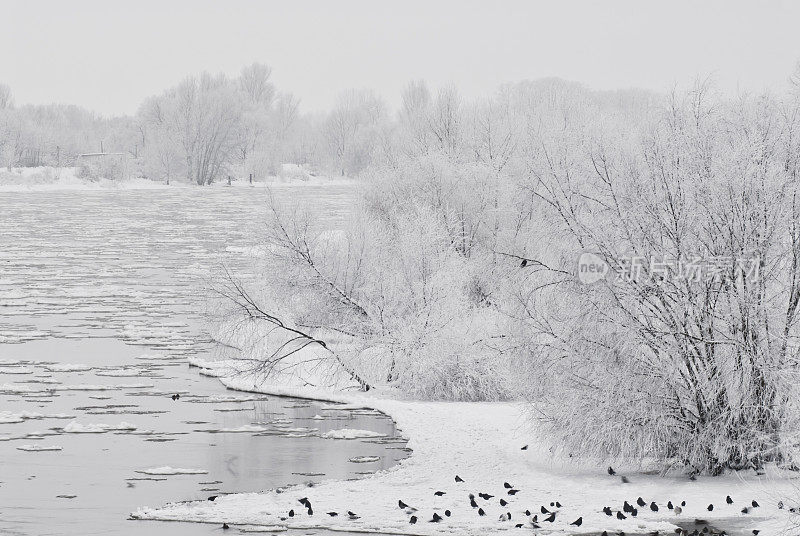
(489, 445)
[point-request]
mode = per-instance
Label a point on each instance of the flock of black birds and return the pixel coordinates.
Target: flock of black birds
(548, 514)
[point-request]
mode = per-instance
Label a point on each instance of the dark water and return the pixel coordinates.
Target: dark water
(108, 283)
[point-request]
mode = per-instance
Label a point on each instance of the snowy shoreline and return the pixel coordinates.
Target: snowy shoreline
(48, 179)
(482, 443)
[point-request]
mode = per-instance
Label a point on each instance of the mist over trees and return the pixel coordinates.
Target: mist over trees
(204, 129)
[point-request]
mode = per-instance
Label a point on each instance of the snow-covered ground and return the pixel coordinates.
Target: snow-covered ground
(483, 444)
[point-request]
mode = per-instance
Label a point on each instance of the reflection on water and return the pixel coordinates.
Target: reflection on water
(98, 301)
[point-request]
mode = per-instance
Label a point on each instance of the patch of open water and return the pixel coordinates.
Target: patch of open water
(99, 310)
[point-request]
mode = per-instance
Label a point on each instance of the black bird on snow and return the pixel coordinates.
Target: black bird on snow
(524, 448)
(485, 496)
(728, 499)
(352, 515)
(534, 525)
(304, 501)
(481, 512)
(175, 397)
(683, 503)
(527, 513)
(710, 508)
(745, 510)
(755, 504)
(213, 498)
(620, 515)
(472, 502)
(402, 505)
(503, 502)
(669, 505)
(558, 504)
(640, 501)
(653, 507)
(518, 526)
(513, 491)
(634, 512)
(225, 526)
(755, 532)
(333, 514)
(507, 485)
(413, 520)
(578, 522)
(607, 511)
(552, 503)
(611, 471)
(436, 518)
(551, 518)
(310, 511)
(627, 507)
(291, 513)
(447, 513)
(459, 479)
(524, 263)
(439, 493)
(545, 510)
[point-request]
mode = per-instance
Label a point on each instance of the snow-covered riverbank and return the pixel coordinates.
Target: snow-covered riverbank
(68, 179)
(483, 444)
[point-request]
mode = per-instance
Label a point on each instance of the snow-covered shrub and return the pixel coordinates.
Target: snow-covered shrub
(668, 362)
(407, 286)
(293, 172)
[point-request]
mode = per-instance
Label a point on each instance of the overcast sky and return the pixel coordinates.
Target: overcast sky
(109, 55)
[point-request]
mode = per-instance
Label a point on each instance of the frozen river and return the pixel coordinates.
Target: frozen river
(99, 309)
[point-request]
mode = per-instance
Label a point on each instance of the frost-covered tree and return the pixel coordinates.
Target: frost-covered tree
(6, 99)
(668, 362)
(350, 129)
(201, 115)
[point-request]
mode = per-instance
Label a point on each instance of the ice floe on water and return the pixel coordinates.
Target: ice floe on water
(365, 459)
(77, 428)
(67, 367)
(16, 370)
(85, 387)
(39, 448)
(236, 408)
(349, 433)
(167, 470)
(8, 417)
(239, 429)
